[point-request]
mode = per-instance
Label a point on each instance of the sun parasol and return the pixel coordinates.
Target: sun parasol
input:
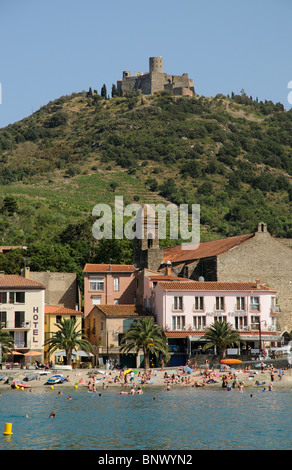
(33, 353)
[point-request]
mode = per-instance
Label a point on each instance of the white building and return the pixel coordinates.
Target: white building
(22, 304)
(185, 308)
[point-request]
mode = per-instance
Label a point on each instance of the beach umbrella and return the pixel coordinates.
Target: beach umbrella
(127, 371)
(33, 353)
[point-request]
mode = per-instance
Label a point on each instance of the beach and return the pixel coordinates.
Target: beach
(98, 379)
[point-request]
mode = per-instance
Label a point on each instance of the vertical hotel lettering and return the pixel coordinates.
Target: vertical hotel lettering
(35, 322)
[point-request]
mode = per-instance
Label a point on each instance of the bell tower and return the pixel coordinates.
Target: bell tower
(147, 253)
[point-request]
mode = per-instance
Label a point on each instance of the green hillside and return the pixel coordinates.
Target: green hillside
(232, 155)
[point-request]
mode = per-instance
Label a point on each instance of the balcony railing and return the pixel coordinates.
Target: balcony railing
(202, 310)
(275, 309)
(13, 325)
(177, 308)
(250, 327)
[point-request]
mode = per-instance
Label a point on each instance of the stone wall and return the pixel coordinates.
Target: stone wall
(61, 288)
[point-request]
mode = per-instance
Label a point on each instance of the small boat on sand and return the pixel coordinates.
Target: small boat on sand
(17, 384)
(56, 379)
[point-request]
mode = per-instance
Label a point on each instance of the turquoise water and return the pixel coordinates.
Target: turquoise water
(180, 419)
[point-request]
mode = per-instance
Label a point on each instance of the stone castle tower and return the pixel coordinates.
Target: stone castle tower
(156, 80)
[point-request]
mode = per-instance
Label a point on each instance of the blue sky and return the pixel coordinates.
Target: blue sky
(53, 48)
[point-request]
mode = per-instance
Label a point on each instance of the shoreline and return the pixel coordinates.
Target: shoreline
(80, 378)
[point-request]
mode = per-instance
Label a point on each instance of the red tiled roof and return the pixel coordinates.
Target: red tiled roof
(204, 250)
(213, 285)
(57, 310)
(121, 310)
(170, 278)
(103, 268)
(8, 281)
(162, 276)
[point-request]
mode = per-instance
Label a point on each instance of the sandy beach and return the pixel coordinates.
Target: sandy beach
(168, 378)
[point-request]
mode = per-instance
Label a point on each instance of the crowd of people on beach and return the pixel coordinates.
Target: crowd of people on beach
(134, 381)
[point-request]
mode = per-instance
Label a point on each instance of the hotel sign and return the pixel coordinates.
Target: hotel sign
(230, 314)
(35, 322)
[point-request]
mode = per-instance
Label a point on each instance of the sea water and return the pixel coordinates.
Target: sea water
(183, 418)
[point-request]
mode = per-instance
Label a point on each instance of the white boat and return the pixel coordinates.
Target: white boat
(56, 379)
(61, 367)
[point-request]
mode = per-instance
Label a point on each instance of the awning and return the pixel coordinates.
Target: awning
(82, 354)
(60, 354)
(263, 337)
(196, 338)
(74, 353)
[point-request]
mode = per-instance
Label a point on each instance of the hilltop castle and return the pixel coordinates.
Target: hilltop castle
(155, 80)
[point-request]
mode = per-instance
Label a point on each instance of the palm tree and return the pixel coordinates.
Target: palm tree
(221, 335)
(6, 342)
(68, 338)
(146, 335)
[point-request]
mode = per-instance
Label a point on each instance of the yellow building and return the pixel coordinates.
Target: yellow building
(53, 315)
(105, 326)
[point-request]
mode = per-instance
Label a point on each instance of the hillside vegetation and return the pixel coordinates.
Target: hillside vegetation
(232, 155)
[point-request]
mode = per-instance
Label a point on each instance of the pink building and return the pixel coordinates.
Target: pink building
(108, 284)
(185, 309)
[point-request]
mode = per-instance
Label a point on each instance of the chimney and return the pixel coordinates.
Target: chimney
(262, 227)
(258, 284)
(2, 273)
(168, 268)
(25, 272)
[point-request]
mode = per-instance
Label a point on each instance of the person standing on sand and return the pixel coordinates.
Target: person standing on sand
(224, 381)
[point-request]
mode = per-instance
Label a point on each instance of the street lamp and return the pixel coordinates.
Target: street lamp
(260, 333)
(107, 331)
